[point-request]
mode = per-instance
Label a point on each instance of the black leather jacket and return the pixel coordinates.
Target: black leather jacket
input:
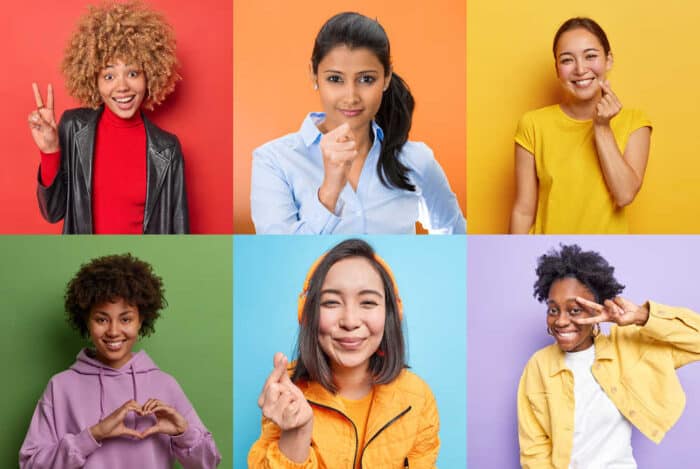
(70, 195)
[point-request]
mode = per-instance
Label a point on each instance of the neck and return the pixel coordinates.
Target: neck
(352, 383)
(581, 110)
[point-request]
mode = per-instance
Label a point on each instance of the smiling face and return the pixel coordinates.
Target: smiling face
(352, 313)
(581, 64)
(122, 88)
(114, 329)
(351, 83)
(562, 307)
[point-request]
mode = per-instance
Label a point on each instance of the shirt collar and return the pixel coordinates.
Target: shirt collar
(603, 351)
(311, 135)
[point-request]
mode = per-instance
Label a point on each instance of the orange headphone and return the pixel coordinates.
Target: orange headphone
(305, 290)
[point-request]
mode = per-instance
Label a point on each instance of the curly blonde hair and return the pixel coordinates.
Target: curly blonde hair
(126, 31)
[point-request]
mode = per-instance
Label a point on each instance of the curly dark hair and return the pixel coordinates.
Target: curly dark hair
(110, 278)
(588, 267)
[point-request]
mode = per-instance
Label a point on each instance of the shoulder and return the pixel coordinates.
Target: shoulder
(540, 115)
(542, 360)
(633, 117)
(159, 137)
(280, 147)
(78, 117)
(418, 156)
(410, 384)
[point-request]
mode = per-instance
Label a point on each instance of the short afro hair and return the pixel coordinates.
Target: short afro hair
(126, 31)
(109, 278)
(588, 267)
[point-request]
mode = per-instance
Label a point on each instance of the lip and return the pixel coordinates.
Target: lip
(124, 103)
(350, 112)
(583, 83)
(350, 343)
(114, 345)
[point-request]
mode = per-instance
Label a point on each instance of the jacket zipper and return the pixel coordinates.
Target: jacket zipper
(405, 411)
(354, 459)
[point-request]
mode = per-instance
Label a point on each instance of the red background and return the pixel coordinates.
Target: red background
(199, 112)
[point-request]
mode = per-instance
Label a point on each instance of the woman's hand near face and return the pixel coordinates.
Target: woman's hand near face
(42, 122)
(283, 402)
(113, 426)
(339, 150)
(608, 106)
(168, 419)
(618, 310)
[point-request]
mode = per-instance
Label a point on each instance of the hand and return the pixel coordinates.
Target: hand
(42, 122)
(113, 425)
(168, 419)
(608, 106)
(339, 150)
(282, 401)
(619, 310)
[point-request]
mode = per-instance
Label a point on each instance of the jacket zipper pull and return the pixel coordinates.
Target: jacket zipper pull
(405, 463)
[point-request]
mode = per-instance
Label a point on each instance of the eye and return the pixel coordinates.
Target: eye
(567, 60)
(552, 311)
(334, 79)
(591, 56)
(107, 76)
(134, 73)
(369, 304)
(330, 303)
(367, 79)
(100, 320)
(127, 320)
(575, 311)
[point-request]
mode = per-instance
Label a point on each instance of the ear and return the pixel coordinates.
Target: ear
(609, 65)
(387, 79)
(312, 76)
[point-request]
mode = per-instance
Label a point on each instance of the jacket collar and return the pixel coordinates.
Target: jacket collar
(390, 401)
(603, 351)
(158, 158)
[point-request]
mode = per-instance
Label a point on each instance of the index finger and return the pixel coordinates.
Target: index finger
(591, 304)
(280, 363)
(592, 320)
(49, 97)
(37, 96)
(342, 129)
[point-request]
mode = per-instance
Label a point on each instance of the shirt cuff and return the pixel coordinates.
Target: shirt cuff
(85, 443)
(320, 220)
(187, 439)
(275, 454)
(50, 163)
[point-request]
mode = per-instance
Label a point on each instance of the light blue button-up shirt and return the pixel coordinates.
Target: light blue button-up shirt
(288, 171)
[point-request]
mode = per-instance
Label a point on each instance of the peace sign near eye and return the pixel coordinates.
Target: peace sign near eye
(42, 122)
(618, 310)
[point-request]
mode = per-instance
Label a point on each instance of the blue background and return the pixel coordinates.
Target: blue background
(430, 272)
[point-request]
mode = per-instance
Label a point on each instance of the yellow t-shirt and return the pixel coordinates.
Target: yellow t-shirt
(573, 197)
(358, 411)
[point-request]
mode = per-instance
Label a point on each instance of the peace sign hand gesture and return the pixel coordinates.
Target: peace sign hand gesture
(42, 122)
(618, 310)
(608, 106)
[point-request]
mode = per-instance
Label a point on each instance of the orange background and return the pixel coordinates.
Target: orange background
(35, 34)
(273, 92)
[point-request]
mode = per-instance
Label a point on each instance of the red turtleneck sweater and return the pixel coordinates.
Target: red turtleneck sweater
(118, 174)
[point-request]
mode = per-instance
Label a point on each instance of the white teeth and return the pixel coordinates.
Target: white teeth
(114, 345)
(585, 82)
(124, 100)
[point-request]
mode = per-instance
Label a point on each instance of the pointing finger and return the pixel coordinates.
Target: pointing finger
(49, 97)
(37, 96)
(591, 304)
(592, 320)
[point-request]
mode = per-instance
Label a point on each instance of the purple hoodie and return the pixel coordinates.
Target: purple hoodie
(78, 398)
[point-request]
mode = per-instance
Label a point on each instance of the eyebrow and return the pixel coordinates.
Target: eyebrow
(584, 51)
(568, 300)
(356, 73)
(361, 292)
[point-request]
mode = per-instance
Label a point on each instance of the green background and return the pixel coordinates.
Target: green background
(192, 339)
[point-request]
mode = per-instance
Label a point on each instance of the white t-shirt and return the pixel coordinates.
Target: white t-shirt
(602, 436)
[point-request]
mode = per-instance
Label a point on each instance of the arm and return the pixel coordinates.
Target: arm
(425, 450)
(43, 448)
(440, 212)
(195, 447)
(535, 444)
(273, 207)
(526, 186)
(623, 173)
(266, 453)
(180, 212)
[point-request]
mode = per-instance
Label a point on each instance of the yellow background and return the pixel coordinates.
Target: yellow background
(510, 70)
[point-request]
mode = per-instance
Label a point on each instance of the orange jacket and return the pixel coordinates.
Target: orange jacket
(402, 430)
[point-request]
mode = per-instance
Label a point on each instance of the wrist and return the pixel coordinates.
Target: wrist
(328, 196)
(295, 443)
(96, 433)
(643, 315)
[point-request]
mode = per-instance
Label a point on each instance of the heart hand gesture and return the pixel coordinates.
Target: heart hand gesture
(282, 401)
(608, 106)
(113, 425)
(42, 122)
(168, 419)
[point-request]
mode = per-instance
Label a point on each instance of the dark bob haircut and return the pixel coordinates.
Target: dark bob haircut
(588, 267)
(582, 23)
(311, 362)
(396, 109)
(109, 278)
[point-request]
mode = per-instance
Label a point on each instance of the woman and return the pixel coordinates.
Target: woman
(94, 173)
(578, 398)
(350, 169)
(115, 408)
(580, 162)
(348, 400)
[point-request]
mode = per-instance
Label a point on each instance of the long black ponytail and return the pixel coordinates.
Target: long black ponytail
(396, 110)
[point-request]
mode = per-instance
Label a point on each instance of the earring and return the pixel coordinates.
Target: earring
(549, 331)
(315, 86)
(596, 330)
(380, 353)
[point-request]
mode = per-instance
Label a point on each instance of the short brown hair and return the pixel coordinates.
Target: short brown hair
(580, 22)
(311, 362)
(106, 279)
(126, 31)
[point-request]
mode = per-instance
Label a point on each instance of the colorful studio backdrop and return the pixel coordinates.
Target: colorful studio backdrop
(192, 339)
(507, 325)
(198, 112)
(269, 273)
(510, 70)
(273, 90)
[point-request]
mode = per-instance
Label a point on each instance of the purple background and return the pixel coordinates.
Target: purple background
(506, 325)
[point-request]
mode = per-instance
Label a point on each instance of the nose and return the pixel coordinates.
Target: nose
(121, 83)
(351, 94)
(113, 329)
(349, 318)
(580, 69)
(562, 319)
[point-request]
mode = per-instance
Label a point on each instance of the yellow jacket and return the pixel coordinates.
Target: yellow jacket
(634, 365)
(402, 430)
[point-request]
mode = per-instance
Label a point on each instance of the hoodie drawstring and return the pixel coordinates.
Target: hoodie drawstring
(102, 395)
(133, 381)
